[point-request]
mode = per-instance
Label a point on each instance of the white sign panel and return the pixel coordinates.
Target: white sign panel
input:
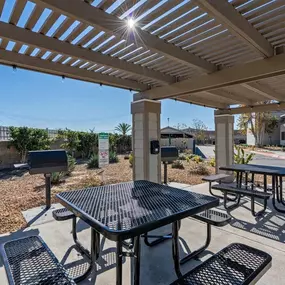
(103, 149)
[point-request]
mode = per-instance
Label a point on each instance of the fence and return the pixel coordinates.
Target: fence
(5, 135)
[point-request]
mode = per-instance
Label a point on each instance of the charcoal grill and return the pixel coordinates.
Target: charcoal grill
(168, 155)
(46, 162)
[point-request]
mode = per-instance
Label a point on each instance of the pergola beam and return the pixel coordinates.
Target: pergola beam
(226, 14)
(263, 91)
(257, 70)
(45, 66)
(252, 109)
(33, 39)
(114, 26)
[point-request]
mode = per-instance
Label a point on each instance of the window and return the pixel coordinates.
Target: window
(283, 136)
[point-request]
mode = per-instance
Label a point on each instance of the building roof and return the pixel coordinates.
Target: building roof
(213, 53)
(171, 130)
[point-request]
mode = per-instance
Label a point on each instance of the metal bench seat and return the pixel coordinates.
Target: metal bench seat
(30, 261)
(248, 191)
(212, 217)
(62, 214)
(216, 177)
(231, 188)
(237, 264)
(221, 177)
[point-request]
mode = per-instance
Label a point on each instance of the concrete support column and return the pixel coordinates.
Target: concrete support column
(224, 140)
(146, 127)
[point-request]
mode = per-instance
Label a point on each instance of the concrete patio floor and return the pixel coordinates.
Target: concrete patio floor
(266, 233)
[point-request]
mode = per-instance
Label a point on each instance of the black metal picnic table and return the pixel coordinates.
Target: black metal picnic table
(128, 210)
(277, 174)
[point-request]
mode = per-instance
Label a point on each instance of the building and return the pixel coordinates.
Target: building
(277, 137)
(179, 138)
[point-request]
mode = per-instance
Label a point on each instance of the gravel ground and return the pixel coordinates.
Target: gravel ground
(20, 191)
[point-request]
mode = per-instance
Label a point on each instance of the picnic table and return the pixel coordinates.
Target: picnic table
(128, 210)
(277, 174)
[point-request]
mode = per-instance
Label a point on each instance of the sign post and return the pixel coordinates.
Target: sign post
(103, 149)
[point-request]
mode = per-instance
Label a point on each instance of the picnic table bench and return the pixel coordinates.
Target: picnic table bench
(243, 191)
(29, 261)
(237, 264)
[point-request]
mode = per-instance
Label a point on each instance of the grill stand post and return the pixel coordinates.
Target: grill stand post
(48, 190)
(165, 173)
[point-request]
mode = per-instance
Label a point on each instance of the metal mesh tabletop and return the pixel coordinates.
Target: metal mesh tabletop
(258, 169)
(125, 210)
(237, 264)
(30, 262)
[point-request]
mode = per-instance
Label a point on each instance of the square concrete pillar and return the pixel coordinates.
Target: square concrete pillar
(224, 140)
(146, 127)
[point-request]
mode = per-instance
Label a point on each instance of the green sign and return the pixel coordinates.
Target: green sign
(103, 136)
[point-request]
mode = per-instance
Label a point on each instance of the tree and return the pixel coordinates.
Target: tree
(71, 140)
(88, 143)
(200, 130)
(25, 139)
(123, 128)
(258, 124)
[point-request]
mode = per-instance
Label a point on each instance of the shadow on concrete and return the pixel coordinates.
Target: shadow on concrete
(16, 235)
(270, 225)
(105, 262)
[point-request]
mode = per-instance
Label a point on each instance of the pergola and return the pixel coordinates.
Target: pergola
(214, 53)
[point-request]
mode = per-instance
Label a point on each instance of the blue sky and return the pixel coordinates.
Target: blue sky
(45, 101)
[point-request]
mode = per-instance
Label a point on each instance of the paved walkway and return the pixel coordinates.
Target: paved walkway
(266, 234)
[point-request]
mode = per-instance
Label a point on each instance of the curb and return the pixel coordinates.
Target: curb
(270, 154)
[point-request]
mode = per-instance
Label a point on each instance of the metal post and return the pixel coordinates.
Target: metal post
(137, 253)
(48, 190)
(175, 248)
(119, 263)
(165, 172)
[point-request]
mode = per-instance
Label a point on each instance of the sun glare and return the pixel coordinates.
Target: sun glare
(131, 23)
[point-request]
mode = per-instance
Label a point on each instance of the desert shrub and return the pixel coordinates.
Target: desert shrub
(93, 162)
(131, 160)
(199, 169)
(240, 157)
(57, 177)
(90, 181)
(197, 159)
(182, 156)
(113, 157)
(177, 164)
(212, 162)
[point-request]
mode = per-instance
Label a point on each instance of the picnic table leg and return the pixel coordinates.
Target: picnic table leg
(281, 190)
(137, 255)
(200, 250)
(119, 263)
(226, 201)
(95, 247)
(274, 190)
(175, 248)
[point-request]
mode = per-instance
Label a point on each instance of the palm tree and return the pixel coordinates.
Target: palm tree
(123, 128)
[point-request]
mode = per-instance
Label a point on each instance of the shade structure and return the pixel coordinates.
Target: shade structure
(213, 53)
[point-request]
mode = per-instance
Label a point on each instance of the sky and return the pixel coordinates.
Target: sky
(46, 101)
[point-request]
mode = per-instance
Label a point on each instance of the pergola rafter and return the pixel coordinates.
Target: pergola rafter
(114, 26)
(45, 66)
(213, 53)
(37, 40)
(225, 13)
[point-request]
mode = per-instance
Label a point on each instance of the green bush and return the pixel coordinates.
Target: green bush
(56, 178)
(131, 160)
(177, 164)
(212, 162)
(113, 157)
(93, 162)
(197, 159)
